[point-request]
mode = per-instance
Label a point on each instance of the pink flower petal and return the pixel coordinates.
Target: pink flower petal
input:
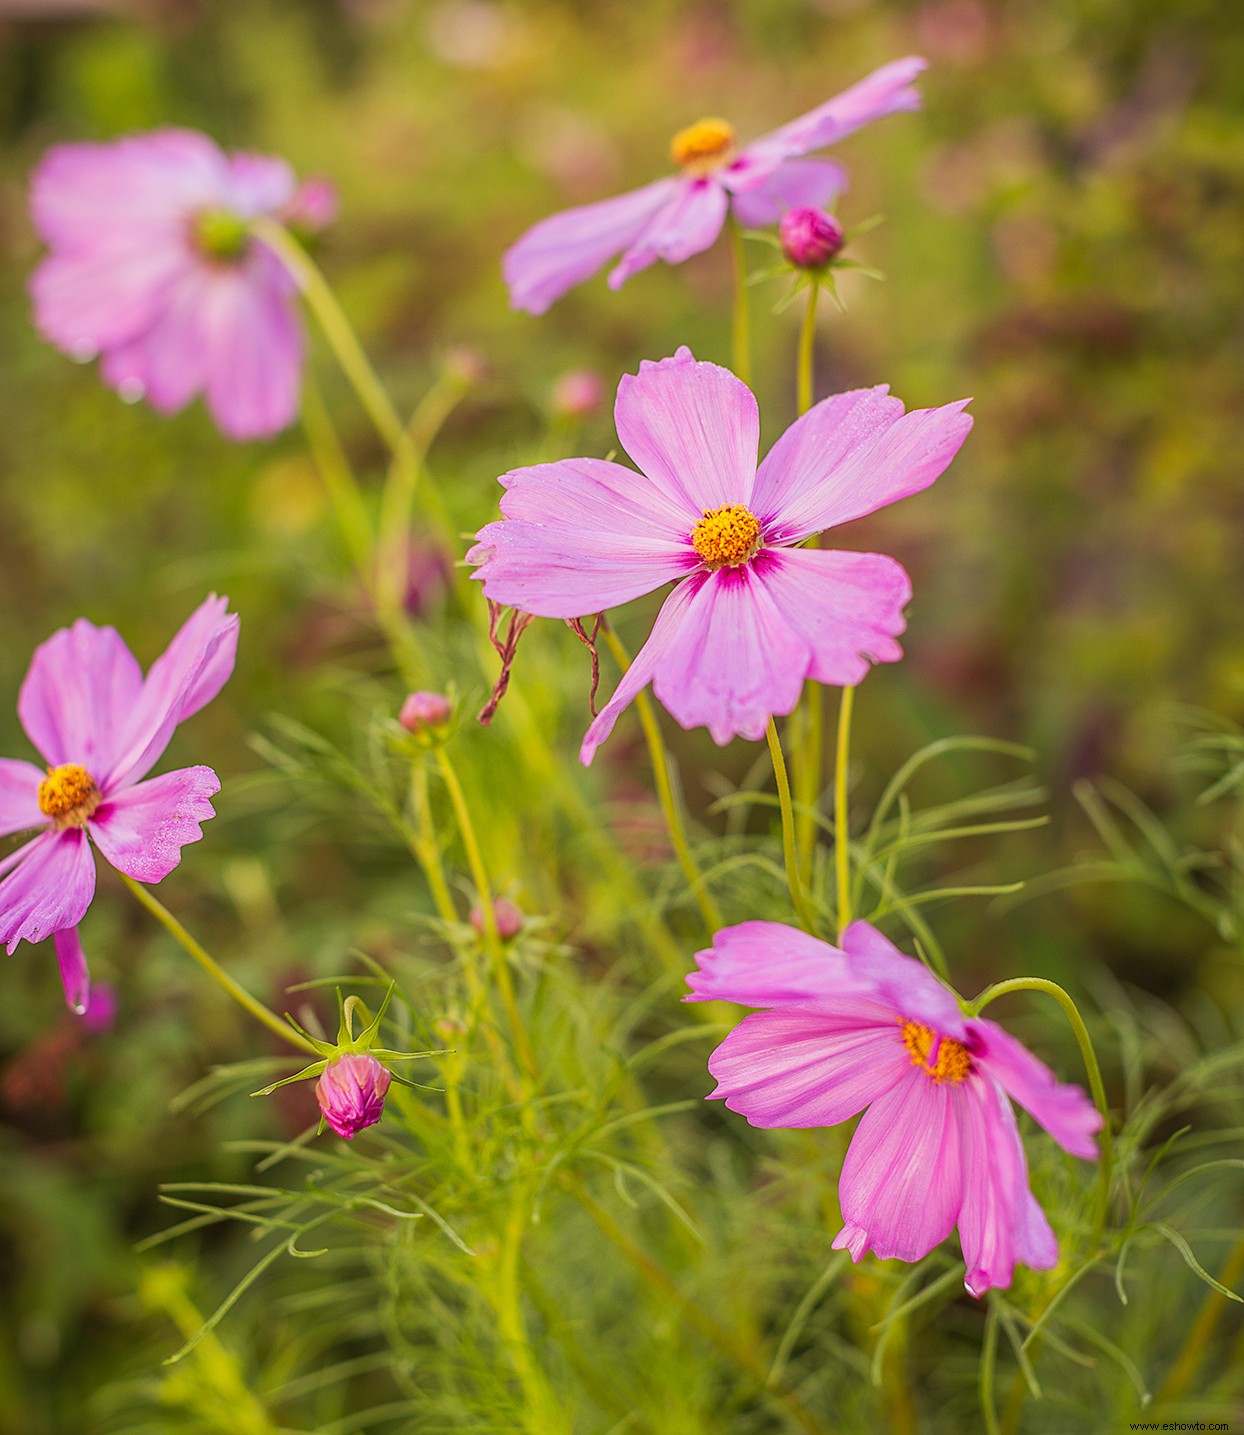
(845, 608)
(907, 985)
(803, 1068)
(580, 536)
(768, 964)
(850, 455)
(1065, 1111)
(259, 184)
(78, 696)
(688, 224)
(902, 1179)
(73, 973)
(693, 428)
(19, 796)
(1000, 1222)
(142, 829)
(48, 888)
(761, 197)
(559, 252)
(189, 673)
(166, 362)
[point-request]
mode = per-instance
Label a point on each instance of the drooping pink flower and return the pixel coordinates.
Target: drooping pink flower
(351, 1092)
(868, 1029)
(152, 267)
(754, 613)
(100, 727)
(682, 215)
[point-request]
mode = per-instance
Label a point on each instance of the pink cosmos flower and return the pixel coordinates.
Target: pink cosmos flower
(351, 1093)
(868, 1029)
(100, 727)
(682, 215)
(754, 613)
(151, 265)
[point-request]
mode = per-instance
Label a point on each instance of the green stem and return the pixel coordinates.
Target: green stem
(806, 917)
(545, 1414)
(1188, 1361)
(842, 812)
(338, 478)
(807, 341)
(742, 330)
(1096, 1085)
(214, 970)
(665, 790)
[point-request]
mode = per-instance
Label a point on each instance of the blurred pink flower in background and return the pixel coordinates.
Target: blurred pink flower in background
(869, 1029)
(577, 394)
(508, 916)
(101, 726)
(152, 267)
(754, 614)
(351, 1092)
(682, 215)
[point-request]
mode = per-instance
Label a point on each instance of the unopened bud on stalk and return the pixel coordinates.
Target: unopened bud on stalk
(577, 395)
(422, 712)
(351, 1093)
(810, 238)
(509, 918)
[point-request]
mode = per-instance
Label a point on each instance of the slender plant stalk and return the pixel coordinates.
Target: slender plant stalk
(807, 918)
(742, 328)
(1188, 1361)
(214, 970)
(842, 811)
(545, 1415)
(665, 789)
(338, 478)
(426, 849)
(807, 342)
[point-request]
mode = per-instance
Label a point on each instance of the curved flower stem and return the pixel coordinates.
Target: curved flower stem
(1085, 1042)
(665, 789)
(742, 328)
(492, 937)
(842, 813)
(338, 478)
(797, 896)
(214, 970)
(807, 339)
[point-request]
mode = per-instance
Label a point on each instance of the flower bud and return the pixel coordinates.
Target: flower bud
(577, 395)
(422, 711)
(810, 237)
(313, 207)
(467, 366)
(509, 918)
(351, 1093)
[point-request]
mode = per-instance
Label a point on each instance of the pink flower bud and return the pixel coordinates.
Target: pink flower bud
(577, 395)
(351, 1093)
(313, 207)
(421, 711)
(467, 365)
(810, 237)
(509, 918)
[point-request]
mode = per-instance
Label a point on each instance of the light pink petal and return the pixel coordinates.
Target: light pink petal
(845, 608)
(671, 617)
(259, 184)
(49, 888)
(768, 964)
(167, 361)
(19, 796)
(78, 695)
(734, 662)
(850, 455)
(1000, 1222)
(187, 675)
(687, 224)
(693, 428)
(579, 536)
(73, 974)
(907, 985)
(806, 1068)
(142, 829)
(761, 198)
(561, 251)
(254, 349)
(1064, 1110)
(902, 1181)
(884, 92)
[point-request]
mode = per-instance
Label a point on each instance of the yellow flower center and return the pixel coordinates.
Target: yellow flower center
(728, 536)
(68, 795)
(939, 1057)
(703, 146)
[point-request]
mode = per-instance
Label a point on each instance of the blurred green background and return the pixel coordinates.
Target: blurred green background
(1063, 237)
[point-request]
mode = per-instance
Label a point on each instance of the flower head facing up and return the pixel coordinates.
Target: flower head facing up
(867, 1029)
(423, 712)
(351, 1092)
(100, 727)
(152, 265)
(753, 613)
(810, 238)
(683, 215)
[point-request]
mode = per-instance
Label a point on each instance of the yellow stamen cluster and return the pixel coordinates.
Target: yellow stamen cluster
(952, 1062)
(728, 536)
(703, 146)
(68, 795)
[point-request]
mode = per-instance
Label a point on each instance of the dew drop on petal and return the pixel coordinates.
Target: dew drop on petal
(83, 352)
(131, 390)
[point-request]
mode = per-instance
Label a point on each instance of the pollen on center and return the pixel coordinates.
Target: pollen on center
(941, 1058)
(703, 146)
(68, 795)
(728, 536)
